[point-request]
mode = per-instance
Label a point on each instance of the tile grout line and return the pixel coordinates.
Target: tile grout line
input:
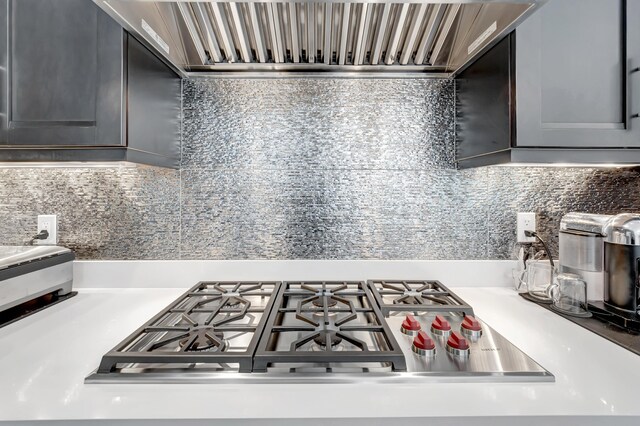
(180, 169)
(487, 218)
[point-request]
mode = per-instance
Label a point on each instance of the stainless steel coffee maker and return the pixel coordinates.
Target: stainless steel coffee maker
(581, 244)
(622, 263)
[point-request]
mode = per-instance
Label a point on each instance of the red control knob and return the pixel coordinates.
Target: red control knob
(424, 342)
(440, 325)
(470, 323)
(458, 345)
(410, 324)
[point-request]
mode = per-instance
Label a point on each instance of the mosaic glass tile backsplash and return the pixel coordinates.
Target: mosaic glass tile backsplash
(307, 169)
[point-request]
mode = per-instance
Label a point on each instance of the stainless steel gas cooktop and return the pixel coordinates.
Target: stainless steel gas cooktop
(316, 332)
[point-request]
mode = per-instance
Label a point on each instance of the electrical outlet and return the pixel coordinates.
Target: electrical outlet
(48, 222)
(526, 222)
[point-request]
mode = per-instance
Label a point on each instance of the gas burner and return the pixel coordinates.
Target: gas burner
(331, 336)
(227, 300)
(322, 301)
(196, 338)
(326, 299)
(323, 296)
(203, 338)
(420, 296)
(416, 296)
(232, 302)
(328, 323)
(320, 314)
(323, 348)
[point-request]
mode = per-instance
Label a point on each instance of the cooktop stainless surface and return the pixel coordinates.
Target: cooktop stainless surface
(317, 332)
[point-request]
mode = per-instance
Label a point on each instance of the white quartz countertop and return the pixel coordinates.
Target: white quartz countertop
(44, 359)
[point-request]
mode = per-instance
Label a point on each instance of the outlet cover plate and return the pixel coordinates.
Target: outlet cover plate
(526, 222)
(50, 223)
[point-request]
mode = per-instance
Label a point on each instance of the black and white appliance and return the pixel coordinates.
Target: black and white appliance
(29, 272)
(316, 331)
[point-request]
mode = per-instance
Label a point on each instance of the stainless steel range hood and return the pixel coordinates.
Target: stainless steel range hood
(438, 37)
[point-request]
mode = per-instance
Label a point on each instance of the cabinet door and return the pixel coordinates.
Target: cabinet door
(574, 75)
(65, 74)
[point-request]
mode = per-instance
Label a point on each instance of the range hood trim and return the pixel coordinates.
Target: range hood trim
(444, 13)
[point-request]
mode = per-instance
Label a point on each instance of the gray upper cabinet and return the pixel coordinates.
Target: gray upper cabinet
(576, 75)
(564, 87)
(64, 82)
(74, 86)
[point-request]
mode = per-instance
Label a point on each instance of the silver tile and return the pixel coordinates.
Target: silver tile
(332, 214)
(318, 123)
(103, 213)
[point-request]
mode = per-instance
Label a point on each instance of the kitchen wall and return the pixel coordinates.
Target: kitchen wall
(306, 169)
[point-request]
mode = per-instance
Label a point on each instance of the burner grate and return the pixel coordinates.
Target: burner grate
(212, 323)
(416, 296)
(326, 324)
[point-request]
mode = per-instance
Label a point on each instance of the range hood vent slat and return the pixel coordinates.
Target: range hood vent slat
(256, 26)
(225, 33)
(412, 35)
(328, 29)
(451, 15)
(426, 43)
(274, 30)
(380, 35)
(185, 13)
(206, 26)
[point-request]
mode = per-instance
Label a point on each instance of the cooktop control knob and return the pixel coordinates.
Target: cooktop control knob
(423, 345)
(458, 345)
(410, 325)
(440, 326)
(471, 327)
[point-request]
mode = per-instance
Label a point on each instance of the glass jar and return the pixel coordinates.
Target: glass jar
(569, 294)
